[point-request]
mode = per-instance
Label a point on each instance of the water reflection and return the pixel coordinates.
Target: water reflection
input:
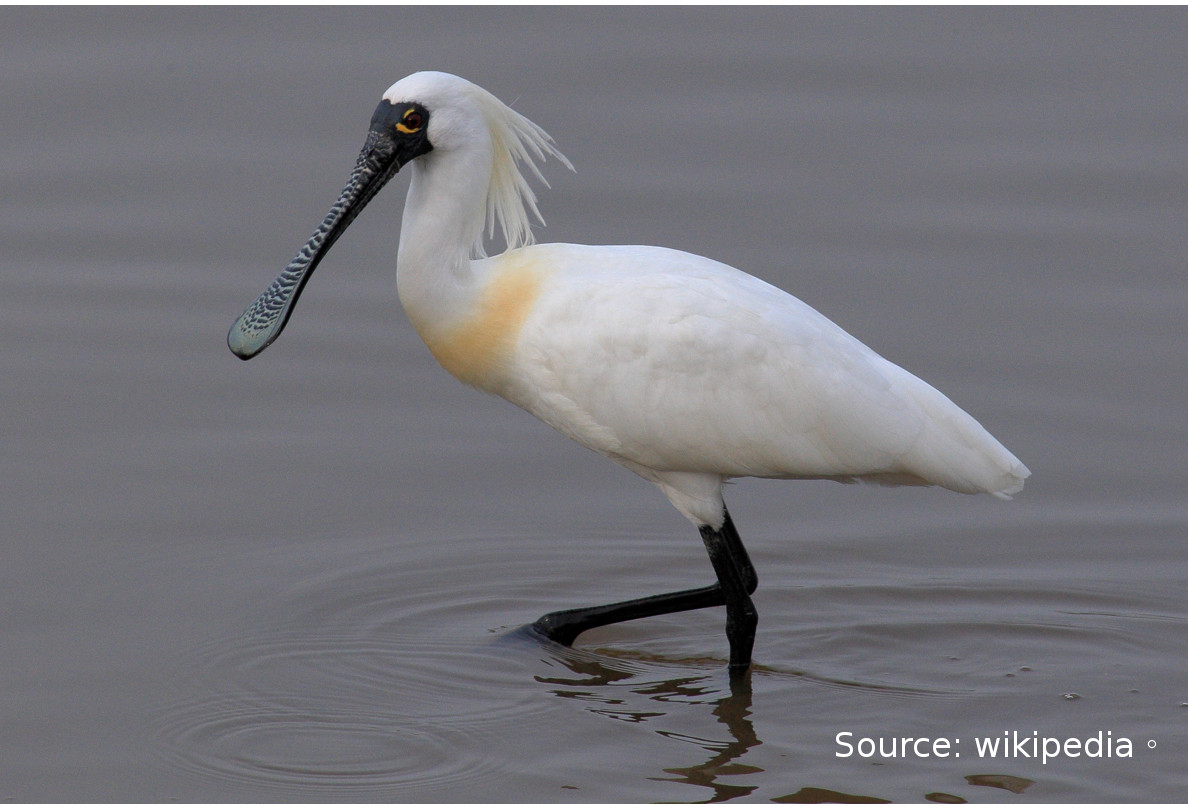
(611, 683)
(815, 795)
(1015, 784)
(731, 710)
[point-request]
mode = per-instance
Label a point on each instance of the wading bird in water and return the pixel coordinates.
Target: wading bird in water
(684, 370)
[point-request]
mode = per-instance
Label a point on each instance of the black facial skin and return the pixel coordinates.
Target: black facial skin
(406, 124)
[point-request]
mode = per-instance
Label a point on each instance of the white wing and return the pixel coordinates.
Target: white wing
(673, 362)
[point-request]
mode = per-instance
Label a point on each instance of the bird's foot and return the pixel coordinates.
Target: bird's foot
(557, 627)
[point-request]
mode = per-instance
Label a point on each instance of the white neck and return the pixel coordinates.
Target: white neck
(443, 215)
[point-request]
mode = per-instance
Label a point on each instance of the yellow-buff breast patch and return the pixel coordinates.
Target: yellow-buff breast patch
(475, 349)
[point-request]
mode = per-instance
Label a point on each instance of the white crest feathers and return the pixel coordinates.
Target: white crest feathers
(517, 142)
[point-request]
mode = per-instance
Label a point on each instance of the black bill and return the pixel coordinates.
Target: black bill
(385, 151)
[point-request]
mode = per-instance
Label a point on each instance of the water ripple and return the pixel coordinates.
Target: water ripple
(349, 688)
(251, 743)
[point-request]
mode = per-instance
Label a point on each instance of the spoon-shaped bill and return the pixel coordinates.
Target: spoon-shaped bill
(263, 320)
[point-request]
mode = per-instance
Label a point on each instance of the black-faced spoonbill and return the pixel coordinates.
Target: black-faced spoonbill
(685, 371)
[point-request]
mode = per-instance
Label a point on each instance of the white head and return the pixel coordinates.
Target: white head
(462, 115)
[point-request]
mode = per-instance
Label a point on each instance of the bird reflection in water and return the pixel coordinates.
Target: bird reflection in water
(732, 711)
(591, 671)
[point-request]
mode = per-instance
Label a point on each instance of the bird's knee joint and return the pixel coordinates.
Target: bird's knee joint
(751, 582)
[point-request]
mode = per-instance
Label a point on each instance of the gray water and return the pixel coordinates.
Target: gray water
(304, 577)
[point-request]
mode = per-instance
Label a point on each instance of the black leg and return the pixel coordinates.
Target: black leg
(736, 582)
(563, 626)
(738, 554)
(741, 616)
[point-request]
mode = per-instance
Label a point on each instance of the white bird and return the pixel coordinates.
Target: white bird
(684, 370)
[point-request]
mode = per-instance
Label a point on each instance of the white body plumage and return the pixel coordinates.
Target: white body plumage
(690, 372)
(682, 369)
